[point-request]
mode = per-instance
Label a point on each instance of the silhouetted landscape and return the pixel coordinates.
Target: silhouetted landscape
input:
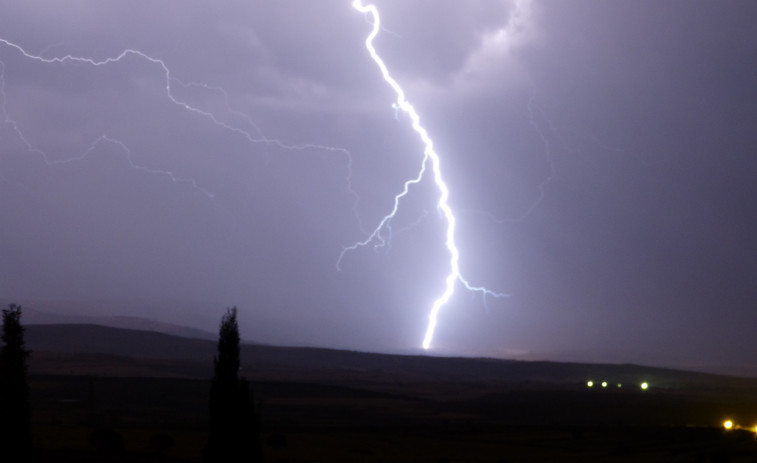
(112, 394)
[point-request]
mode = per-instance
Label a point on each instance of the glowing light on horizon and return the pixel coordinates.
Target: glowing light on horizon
(430, 156)
(728, 424)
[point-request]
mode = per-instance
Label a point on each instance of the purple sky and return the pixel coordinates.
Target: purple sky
(600, 157)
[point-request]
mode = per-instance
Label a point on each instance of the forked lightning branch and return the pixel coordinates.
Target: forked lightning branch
(430, 161)
(429, 157)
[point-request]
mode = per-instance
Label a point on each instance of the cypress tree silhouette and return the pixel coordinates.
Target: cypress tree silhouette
(15, 411)
(234, 433)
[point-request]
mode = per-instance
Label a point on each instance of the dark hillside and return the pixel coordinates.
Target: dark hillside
(84, 338)
(310, 364)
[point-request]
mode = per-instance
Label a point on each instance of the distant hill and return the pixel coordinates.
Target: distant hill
(93, 349)
(89, 338)
(62, 313)
(196, 319)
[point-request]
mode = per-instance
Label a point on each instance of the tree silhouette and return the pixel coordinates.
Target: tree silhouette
(15, 412)
(234, 433)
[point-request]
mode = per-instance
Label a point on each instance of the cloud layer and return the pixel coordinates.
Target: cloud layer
(599, 157)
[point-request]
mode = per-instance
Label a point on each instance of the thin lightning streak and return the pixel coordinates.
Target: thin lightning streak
(111, 60)
(7, 118)
(533, 109)
(102, 139)
(376, 234)
(113, 141)
(169, 80)
(261, 138)
(392, 232)
(286, 146)
(443, 207)
(554, 140)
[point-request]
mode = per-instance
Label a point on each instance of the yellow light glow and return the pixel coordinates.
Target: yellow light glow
(644, 386)
(604, 383)
(620, 385)
(590, 383)
(728, 424)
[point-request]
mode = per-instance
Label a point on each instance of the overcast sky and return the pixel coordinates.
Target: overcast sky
(600, 157)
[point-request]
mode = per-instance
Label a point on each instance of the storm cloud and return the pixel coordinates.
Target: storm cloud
(600, 157)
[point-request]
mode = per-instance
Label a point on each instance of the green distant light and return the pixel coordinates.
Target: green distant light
(604, 383)
(644, 386)
(589, 383)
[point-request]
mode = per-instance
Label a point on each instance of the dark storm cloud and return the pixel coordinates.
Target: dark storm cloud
(599, 156)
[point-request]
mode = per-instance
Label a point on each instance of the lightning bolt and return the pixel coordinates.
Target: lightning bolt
(429, 157)
(380, 234)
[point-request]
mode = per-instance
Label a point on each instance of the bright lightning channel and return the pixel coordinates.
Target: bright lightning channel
(429, 154)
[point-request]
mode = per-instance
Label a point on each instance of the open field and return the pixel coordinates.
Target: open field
(333, 406)
(317, 422)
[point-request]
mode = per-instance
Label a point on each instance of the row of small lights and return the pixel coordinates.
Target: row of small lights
(727, 424)
(644, 386)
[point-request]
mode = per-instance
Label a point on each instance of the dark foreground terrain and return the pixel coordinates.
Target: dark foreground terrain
(95, 403)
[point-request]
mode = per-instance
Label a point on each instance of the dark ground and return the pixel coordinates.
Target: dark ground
(327, 422)
(331, 406)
